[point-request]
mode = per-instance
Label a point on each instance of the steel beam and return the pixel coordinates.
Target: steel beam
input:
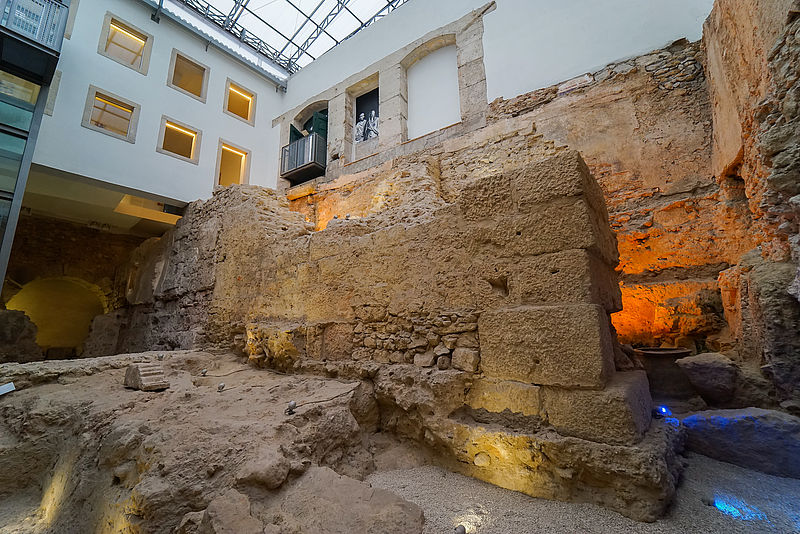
(329, 18)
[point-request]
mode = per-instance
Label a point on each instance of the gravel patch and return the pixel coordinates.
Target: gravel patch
(714, 497)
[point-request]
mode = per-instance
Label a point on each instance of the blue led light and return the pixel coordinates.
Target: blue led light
(663, 410)
(737, 508)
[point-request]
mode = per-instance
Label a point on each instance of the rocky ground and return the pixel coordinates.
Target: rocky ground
(80, 453)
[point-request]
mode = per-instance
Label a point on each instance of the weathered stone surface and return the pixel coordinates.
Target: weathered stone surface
(567, 346)
(269, 468)
(466, 359)
(764, 319)
(638, 480)
(146, 377)
(713, 375)
(18, 338)
(499, 395)
(230, 514)
(765, 440)
(619, 414)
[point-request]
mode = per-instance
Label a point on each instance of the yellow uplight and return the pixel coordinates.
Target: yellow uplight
(229, 149)
(104, 101)
(245, 95)
(179, 129)
(126, 32)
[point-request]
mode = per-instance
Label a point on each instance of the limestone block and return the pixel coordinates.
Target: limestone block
(618, 414)
(471, 73)
(499, 395)
(524, 188)
(560, 225)
(566, 345)
(765, 440)
(569, 276)
(146, 377)
(466, 359)
(426, 359)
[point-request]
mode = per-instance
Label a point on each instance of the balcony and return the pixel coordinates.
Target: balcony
(304, 159)
(32, 32)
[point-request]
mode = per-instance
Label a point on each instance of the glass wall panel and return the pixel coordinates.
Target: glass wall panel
(11, 149)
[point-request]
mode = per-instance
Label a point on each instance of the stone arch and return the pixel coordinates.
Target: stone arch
(62, 308)
(440, 41)
(308, 111)
(432, 89)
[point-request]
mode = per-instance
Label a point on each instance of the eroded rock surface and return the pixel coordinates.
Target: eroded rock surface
(764, 440)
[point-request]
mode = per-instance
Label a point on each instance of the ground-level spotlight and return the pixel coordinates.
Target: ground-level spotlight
(221, 386)
(460, 529)
(290, 409)
(661, 411)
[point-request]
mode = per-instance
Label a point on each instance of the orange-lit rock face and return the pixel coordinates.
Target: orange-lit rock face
(653, 312)
(648, 144)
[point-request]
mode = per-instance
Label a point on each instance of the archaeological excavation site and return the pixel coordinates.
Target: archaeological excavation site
(397, 266)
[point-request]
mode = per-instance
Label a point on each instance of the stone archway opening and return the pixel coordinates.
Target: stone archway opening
(62, 308)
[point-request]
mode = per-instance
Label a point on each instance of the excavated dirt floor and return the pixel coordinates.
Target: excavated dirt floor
(79, 453)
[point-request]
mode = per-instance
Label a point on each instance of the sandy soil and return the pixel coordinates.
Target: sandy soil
(754, 502)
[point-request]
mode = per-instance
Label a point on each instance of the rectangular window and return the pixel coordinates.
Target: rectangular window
(125, 44)
(179, 140)
(231, 165)
(110, 114)
(240, 102)
(188, 76)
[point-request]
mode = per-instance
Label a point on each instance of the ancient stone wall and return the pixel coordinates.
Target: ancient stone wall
(482, 289)
(753, 51)
(644, 128)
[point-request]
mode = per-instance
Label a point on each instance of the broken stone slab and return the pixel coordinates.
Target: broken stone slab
(146, 377)
(713, 375)
(755, 438)
(466, 359)
(426, 359)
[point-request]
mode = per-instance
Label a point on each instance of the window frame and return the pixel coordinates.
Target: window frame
(171, 73)
(252, 120)
(195, 159)
(144, 65)
(245, 172)
(86, 120)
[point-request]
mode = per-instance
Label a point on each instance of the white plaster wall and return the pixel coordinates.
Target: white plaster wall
(64, 144)
(433, 101)
(528, 44)
(531, 44)
(404, 25)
